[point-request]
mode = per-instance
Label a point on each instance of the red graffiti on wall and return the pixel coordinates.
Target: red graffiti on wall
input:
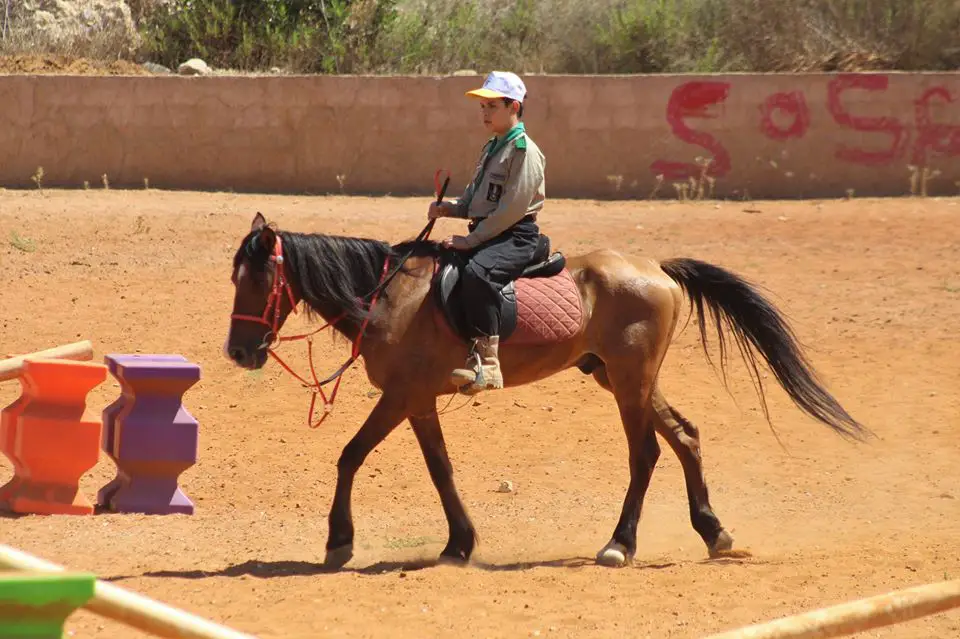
(933, 136)
(689, 101)
(792, 105)
(785, 116)
(887, 125)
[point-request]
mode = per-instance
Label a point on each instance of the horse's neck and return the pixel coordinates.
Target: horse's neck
(347, 327)
(393, 312)
(331, 311)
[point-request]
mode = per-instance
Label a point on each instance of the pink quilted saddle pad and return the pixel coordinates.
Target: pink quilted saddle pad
(548, 310)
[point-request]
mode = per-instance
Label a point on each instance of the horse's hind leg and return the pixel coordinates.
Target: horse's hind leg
(684, 438)
(632, 393)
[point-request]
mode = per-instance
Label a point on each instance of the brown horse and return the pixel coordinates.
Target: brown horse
(628, 312)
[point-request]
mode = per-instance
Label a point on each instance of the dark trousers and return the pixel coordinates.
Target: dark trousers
(490, 267)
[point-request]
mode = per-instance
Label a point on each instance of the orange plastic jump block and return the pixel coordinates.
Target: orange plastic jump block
(8, 420)
(54, 441)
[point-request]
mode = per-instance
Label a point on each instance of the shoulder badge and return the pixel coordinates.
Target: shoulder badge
(520, 143)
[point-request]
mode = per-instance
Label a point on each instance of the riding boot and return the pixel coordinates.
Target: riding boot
(483, 368)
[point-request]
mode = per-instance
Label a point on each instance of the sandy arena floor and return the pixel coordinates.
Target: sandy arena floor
(872, 287)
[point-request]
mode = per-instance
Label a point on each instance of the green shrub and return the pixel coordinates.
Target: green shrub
(307, 36)
(653, 36)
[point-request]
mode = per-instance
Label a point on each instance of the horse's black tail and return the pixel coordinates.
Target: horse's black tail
(758, 326)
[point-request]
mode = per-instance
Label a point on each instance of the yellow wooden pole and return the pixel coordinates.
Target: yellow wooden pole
(856, 616)
(80, 351)
(127, 607)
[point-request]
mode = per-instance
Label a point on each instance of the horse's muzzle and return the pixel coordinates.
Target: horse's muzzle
(247, 358)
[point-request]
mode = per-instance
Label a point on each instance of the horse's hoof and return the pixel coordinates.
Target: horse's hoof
(453, 556)
(452, 560)
(722, 544)
(337, 558)
(614, 555)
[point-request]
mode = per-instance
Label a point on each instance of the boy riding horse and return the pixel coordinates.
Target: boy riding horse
(501, 202)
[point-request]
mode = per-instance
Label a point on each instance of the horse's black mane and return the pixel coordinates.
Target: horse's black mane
(335, 274)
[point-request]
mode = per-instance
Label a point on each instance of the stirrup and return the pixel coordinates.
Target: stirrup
(480, 383)
(474, 365)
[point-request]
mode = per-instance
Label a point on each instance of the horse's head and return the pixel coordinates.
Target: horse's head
(263, 297)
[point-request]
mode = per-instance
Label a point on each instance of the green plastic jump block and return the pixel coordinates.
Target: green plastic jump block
(37, 605)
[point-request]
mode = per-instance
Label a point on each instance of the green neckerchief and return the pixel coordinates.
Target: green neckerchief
(493, 147)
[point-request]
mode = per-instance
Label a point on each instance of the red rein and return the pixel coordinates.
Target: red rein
(280, 285)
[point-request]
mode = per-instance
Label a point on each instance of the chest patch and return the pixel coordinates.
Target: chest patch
(494, 192)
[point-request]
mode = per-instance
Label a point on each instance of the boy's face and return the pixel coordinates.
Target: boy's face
(497, 116)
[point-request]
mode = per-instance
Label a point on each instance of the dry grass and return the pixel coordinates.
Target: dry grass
(655, 36)
(23, 244)
(538, 36)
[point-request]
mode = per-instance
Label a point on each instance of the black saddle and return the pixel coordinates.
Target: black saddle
(446, 286)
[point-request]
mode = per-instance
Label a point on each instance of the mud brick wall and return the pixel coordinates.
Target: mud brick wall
(767, 136)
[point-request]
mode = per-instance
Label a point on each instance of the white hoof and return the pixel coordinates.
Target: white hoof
(723, 543)
(613, 555)
(338, 557)
(446, 560)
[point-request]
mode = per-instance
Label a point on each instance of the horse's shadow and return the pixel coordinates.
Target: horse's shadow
(272, 569)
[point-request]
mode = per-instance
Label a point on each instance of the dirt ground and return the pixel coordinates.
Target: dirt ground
(46, 63)
(872, 288)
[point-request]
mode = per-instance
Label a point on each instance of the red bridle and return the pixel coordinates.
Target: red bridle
(281, 284)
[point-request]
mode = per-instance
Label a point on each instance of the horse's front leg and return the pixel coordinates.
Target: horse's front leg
(386, 415)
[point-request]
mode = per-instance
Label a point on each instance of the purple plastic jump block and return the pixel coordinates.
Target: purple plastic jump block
(149, 435)
(109, 414)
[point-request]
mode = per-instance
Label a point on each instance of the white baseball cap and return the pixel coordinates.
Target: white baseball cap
(501, 84)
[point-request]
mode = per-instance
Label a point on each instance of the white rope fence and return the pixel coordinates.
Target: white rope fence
(856, 616)
(127, 607)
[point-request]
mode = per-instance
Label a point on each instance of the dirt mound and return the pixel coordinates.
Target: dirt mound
(66, 65)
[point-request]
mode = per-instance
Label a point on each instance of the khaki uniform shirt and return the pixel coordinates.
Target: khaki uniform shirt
(510, 187)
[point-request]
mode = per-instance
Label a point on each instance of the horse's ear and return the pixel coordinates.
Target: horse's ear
(268, 238)
(258, 222)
